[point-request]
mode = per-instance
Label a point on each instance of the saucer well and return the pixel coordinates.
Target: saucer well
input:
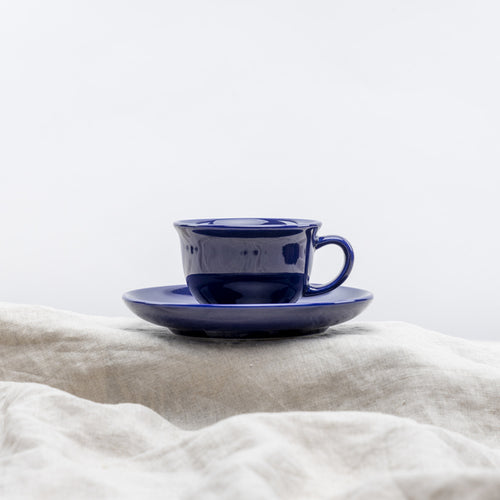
(175, 308)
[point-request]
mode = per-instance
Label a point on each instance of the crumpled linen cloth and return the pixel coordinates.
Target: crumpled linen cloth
(96, 407)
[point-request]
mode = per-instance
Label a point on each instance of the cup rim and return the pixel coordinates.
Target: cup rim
(248, 223)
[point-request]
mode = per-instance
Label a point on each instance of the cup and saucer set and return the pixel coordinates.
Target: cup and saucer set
(249, 278)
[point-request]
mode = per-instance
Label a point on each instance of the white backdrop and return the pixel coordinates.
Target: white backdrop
(381, 119)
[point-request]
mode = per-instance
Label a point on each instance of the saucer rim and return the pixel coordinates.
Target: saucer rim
(365, 296)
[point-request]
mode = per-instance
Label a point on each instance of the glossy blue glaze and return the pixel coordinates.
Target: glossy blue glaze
(228, 288)
(254, 261)
(175, 308)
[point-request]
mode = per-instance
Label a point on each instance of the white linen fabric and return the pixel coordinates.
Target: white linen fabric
(95, 407)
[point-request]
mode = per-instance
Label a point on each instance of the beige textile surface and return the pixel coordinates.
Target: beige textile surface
(95, 407)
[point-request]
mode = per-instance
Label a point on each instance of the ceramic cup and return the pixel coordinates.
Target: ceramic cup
(254, 261)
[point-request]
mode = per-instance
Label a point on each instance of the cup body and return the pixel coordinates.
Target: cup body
(247, 261)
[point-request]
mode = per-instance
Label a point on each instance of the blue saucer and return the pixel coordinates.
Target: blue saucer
(175, 308)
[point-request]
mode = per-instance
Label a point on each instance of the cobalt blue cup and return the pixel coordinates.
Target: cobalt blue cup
(254, 261)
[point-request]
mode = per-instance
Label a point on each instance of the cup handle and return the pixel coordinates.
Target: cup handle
(349, 261)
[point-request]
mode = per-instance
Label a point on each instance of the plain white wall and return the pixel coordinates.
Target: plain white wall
(381, 119)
